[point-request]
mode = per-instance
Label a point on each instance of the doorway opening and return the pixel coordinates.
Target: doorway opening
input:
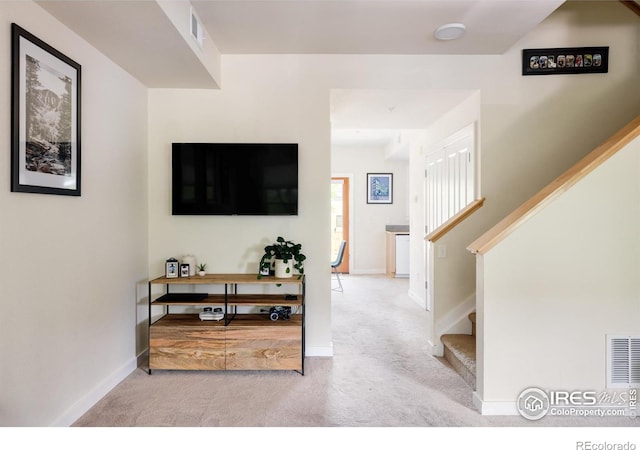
(340, 219)
(380, 131)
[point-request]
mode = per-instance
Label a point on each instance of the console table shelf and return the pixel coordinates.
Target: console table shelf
(241, 341)
(244, 320)
(232, 300)
(229, 278)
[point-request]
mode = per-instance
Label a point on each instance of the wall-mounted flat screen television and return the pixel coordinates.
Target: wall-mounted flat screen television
(234, 179)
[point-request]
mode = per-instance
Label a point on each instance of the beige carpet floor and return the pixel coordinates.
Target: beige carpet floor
(381, 375)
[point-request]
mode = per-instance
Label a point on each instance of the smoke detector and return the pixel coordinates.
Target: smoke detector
(450, 31)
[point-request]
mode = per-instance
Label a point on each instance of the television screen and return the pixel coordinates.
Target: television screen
(234, 179)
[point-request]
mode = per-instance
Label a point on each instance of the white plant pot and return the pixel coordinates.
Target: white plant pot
(284, 270)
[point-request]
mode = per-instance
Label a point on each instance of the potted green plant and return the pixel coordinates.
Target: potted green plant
(287, 256)
(201, 269)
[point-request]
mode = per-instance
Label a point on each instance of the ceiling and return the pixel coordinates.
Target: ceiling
(375, 117)
(143, 36)
(148, 39)
(368, 26)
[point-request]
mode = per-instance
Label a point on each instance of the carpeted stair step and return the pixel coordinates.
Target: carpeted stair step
(460, 351)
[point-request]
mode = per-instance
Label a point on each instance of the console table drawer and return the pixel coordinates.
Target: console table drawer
(183, 348)
(264, 348)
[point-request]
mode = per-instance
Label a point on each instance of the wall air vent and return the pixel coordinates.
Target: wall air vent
(196, 28)
(623, 361)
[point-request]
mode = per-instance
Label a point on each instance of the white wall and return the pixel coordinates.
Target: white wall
(264, 99)
(547, 123)
(70, 266)
(286, 98)
(538, 126)
(368, 243)
(572, 278)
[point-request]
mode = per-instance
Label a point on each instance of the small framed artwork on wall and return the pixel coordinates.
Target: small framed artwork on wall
(562, 61)
(380, 188)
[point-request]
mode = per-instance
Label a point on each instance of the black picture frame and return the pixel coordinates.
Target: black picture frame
(563, 61)
(45, 117)
(380, 188)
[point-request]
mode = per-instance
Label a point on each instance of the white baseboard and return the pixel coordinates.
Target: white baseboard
(83, 405)
(367, 271)
(494, 408)
(436, 349)
(319, 351)
(75, 411)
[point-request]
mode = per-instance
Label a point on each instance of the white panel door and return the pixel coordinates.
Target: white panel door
(449, 180)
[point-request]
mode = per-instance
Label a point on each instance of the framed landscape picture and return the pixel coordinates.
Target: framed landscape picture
(379, 188)
(45, 118)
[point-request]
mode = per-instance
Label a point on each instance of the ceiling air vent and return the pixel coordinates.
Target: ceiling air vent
(623, 361)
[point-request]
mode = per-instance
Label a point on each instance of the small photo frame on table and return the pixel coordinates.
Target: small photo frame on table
(380, 188)
(172, 268)
(45, 117)
(184, 270)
